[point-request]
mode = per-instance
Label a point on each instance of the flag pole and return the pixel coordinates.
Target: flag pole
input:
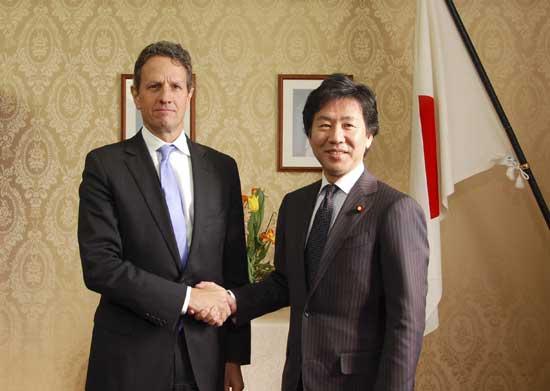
(524, 165)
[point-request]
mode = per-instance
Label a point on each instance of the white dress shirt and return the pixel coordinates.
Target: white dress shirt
(180, 159)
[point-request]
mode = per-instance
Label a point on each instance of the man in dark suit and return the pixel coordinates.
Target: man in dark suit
(159, 213)
(351, 260)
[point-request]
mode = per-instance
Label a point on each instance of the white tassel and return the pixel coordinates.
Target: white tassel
(514, 171)
(519, 182)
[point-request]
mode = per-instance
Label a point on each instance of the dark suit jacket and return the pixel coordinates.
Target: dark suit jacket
(360, 326)
(130, 256)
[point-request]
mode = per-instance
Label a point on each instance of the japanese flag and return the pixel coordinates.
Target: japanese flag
(456, 132)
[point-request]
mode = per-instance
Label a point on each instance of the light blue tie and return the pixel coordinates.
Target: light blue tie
(174, 200)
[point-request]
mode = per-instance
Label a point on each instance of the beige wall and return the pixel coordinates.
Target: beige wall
(60, 64)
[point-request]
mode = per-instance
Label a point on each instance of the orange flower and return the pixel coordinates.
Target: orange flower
(244, 198)
(268, 236)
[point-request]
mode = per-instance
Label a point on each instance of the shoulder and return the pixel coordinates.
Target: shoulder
(303, 193)
(389, 192)
(398, 207)
(392, 196)
(211, 154)
(100, 159)
(110, 150)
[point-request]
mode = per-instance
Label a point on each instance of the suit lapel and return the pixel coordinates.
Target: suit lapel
(201, 177)
(141, 167)
(359, 195)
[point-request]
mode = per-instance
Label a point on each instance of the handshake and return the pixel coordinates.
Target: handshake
(211, 303)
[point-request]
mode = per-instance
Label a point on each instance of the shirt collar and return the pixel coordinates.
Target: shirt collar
(154, 143)
(346, 182)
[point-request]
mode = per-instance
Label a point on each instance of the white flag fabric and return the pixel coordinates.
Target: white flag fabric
(456, 132)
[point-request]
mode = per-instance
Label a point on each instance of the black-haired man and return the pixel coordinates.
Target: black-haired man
(351, 260)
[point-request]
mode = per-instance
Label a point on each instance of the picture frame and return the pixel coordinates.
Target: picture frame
(130, 117)
(294, 151)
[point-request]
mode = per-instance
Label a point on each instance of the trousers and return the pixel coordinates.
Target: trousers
(184, 379)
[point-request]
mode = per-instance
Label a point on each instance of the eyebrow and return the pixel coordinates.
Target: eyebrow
(156, 81)
(327, 118)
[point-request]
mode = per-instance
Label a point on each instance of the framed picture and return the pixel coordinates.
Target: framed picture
(295, 153)
(131, 121)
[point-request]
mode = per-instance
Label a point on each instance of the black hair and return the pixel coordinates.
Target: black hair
(340, 86)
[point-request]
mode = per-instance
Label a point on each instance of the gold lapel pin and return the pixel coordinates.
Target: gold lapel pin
(359, 208)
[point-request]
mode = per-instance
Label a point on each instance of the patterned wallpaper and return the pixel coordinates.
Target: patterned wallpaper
(60, 66)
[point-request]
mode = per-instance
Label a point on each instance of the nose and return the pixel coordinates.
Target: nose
(336, 134)
(165, 94)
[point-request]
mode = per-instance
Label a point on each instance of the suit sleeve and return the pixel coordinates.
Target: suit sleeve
(271, 294)
(235, 272)
(404, 262)
(105, 270)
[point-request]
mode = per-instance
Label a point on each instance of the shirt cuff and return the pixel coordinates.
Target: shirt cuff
(186, 302)
(234, 316)
(232, 295)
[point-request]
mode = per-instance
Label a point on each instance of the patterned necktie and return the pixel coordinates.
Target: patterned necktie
(318, 234)
(174, 200)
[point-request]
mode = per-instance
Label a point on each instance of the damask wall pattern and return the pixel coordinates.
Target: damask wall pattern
(60, 64)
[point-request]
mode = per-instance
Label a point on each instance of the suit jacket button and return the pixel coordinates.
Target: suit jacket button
(306, 314)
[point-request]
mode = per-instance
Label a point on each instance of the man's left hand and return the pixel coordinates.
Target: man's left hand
(233, 377)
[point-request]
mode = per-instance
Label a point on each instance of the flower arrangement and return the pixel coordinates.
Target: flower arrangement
(257, 241)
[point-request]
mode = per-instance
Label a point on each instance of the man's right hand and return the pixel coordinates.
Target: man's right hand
(209, 303)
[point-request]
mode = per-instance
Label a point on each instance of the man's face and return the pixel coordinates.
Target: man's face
(163, 97)
(339, 137)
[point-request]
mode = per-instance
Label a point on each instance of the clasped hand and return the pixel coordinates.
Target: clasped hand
(211, 303)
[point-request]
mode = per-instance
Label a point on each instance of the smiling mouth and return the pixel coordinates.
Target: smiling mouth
(334, 152)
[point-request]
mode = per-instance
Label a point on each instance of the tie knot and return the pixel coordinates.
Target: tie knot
(165, 151)
(330, 190)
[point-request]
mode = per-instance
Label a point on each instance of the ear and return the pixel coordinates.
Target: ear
(135, 96)
(370, 139)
